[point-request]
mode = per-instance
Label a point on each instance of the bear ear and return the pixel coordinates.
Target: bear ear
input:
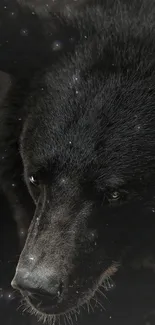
(5, 84)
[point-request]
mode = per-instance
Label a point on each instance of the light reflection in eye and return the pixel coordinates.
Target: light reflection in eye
(115, 195)
(32, 180)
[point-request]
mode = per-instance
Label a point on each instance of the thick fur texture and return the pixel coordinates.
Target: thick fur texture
(81, 129)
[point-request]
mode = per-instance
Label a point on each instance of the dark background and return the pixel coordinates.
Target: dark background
(131, 297)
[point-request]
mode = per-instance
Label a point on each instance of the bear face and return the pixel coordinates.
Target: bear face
(87, 146)
(85, 168)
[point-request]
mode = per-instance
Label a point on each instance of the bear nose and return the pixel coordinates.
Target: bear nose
(40, 290)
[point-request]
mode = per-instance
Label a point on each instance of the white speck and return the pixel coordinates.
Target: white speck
(71, 39)
(110, 317)
(22, 233)
(1, 293)
(37, 219)
(42, 88)
(85, 36)
(77, 291)
(76, 92)
(57, 46)
(5, 7)
(19, 119)
(31, 258)
(75, 78)
(63, 180)
(24, 32)
(33, 13)
(70, 142)
(138, 127)
(153, 210)
(95, 243)
(13, 184)
(3, 157)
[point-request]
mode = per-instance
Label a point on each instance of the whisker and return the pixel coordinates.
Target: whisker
(100, 292)
(91, 306)
(88, 307)
(100, 304)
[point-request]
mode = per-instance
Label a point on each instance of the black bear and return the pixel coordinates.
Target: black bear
(77, 136)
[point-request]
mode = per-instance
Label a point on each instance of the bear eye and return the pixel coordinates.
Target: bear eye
(118, 196)
(33, 180)
(115, 195)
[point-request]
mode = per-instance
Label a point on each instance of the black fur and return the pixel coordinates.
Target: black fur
(83, 125)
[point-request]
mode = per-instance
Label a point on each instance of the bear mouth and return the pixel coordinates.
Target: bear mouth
(42, 304)
(46, 311)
